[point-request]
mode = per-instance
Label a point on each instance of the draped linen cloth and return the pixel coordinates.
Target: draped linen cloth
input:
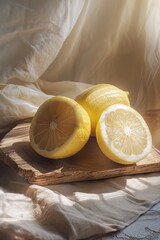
(62, 47)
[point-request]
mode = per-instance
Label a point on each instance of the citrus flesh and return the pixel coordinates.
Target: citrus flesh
(98, 97)
(123, 135)
(60, 128)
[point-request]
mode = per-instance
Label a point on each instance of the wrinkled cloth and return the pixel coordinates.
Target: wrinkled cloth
(48, 42)
(62, 47)
(75, 210)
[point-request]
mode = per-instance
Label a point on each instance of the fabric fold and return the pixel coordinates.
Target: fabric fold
(83, 210)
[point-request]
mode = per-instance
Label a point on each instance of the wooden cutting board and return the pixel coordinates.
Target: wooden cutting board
(88, 164)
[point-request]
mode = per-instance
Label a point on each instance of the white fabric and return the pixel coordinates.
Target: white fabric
(77, 210)
(59, 48)
(31, 36)
(80, 41)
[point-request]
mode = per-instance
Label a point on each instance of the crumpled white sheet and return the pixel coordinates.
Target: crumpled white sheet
(77, 210)
(60, 48)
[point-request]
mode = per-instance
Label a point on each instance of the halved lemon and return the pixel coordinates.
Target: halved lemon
(60, 128)
(98, 97)
(123, 135)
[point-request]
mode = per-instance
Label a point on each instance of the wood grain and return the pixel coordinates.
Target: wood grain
(88, 164)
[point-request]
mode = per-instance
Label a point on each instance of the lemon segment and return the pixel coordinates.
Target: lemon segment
(60, 128)
(98, 97)
(123, 135)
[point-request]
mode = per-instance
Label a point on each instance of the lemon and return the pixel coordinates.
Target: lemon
(123, 135)
(60, 128)
(97, 98)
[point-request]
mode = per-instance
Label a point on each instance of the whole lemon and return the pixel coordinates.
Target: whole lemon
(98, 97)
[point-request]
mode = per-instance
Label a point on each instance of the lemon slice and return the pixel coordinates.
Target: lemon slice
(123, 135)
(98, 97)
(60, 128)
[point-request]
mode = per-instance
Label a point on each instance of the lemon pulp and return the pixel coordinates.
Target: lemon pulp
(60, 128)
(123, 135)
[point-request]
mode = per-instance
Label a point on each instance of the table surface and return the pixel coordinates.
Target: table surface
(146, 227)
